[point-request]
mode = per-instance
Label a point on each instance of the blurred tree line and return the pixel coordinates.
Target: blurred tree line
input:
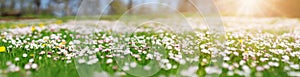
(39, 6)
(70, 7)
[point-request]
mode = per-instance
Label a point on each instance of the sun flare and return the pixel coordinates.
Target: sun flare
(249, 7)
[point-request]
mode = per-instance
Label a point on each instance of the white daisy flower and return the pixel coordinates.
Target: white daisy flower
(149, 56)
(27, 67)
(259, 68)
(295, 66)
(133, 64)
(273, 64)
(31, 60)
(285, 57)
(17, 59)
(108, 61)
(168, 66)
(242, 62)
(126, 68)
(226, 58)
(34, 66)
(147, 68)
(81, 61)
(225, 65)
(24, 55)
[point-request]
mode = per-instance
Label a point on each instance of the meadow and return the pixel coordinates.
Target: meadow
(256, 47)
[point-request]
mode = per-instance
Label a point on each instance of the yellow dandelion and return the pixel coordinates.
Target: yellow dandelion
(32, 55)
(21, 25)
(2, 49)
(58, 46)
(41, 25)
(59, 22)
(15, 26)
(63, 43)
(241, 41)
(44, 45)
(32, 28)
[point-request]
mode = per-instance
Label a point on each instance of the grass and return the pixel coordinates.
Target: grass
(59, 68)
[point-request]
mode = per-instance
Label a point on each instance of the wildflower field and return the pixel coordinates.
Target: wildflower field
(256, 47)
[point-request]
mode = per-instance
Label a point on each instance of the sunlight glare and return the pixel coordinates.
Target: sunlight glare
(249, 7)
